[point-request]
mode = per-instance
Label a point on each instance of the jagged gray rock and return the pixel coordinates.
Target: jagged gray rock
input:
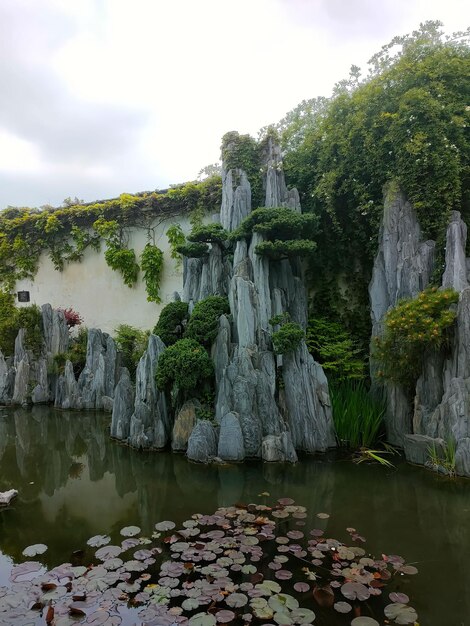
(455, 273)
(402, 268)
(68, 395)
(183, 426)
(123, 407)
(404, 263)
(278, 449)
(55, 330)
(202, 443)
(150, 425)
(7, 379)
(98, 378)
(206, 276)
(231, 446)
(462, 457)
(277, 194)
(307, 401)
(417, 448)
(236, 198)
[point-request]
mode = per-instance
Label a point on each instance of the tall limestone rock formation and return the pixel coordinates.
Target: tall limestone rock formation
(255, 418)
(266, 406)
(440, 408)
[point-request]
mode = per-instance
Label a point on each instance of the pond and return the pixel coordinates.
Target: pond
(74, 482)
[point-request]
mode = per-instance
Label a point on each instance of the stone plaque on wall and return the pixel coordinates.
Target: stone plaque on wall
(23, 296)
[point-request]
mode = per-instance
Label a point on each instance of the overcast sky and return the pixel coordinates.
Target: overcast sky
(100, 97)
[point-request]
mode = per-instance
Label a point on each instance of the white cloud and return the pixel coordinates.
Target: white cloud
(104, 96)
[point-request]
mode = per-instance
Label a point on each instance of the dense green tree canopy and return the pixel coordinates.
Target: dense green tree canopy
(407, 121)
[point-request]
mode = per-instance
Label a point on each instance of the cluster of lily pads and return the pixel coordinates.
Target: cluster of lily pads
(241, 566)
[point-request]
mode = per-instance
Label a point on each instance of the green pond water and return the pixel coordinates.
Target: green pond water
(74, 482)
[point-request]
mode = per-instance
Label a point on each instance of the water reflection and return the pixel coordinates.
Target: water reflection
(74, 482)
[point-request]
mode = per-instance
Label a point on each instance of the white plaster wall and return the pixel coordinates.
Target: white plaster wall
(99, 294)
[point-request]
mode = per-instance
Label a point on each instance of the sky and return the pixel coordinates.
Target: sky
(102, 97)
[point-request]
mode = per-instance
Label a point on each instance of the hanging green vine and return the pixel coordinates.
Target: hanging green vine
(117, 256)
(175, 238)
(151, 261)
(65, 233)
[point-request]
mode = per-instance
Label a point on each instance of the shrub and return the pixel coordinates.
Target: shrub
(30, 318)
(132, 343)
(288, 233)
(193, 250)
(183, 367)
(413, 327)
(334, 348)
(208, 233)
(72, 318)
(170, 325)
(8, 325)
(277, 250)
(13, 318)
(76, 353)
(288, 338)
(204, 321)
(358, 417)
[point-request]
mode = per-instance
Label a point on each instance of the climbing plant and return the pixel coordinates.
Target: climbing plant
(175, 238)
(151, 262)
(118, 257)
(65, 233)
(406, 119)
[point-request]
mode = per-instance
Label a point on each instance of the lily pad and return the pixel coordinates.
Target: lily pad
(236, 600)
(37, 548)
(166, 525)
(355, 591)
(401, 613)
(130, 531)
(364, 621)
(99, 540)
(342, 607)
(202, 619)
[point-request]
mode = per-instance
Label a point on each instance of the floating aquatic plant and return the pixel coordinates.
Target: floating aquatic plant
(214, 570)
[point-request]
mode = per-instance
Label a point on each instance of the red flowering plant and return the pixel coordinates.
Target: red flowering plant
(72, 318)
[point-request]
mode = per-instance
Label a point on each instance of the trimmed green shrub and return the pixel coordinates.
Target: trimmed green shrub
(132, 343)
(193, 250)
(204, 321)
(277, 250)
(335, 349)
(288, 233)
(288, 338)
(184, 366)
(413, 327)
(171, 322)
(208, 233)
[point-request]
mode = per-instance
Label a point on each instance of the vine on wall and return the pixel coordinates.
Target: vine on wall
(65, 233)
(151, 262)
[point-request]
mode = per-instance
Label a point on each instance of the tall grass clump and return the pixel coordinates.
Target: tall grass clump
(358, 417)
